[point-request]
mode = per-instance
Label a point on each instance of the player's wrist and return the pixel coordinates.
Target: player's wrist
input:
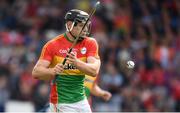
(77, 62)
(52, 72)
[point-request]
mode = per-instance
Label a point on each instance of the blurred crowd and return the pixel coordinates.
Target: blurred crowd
(145, 31)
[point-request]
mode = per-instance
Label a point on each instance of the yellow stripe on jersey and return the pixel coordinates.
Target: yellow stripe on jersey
(58, 59)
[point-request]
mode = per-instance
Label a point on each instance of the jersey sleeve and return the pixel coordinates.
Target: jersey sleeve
(46, 53)
(92, 48)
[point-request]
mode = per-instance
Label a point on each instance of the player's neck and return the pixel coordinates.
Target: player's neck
(69, 37)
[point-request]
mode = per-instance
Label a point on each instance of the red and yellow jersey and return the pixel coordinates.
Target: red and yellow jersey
(68, 87)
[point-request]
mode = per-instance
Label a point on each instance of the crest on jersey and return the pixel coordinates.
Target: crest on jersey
(83, 50)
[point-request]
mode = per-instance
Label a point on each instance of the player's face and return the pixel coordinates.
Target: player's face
(77, 29)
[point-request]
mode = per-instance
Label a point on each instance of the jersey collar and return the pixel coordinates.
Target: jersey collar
(65, 35)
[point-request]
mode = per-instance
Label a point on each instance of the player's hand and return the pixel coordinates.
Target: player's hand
(106, 95)
(59, 68)
(72, 59)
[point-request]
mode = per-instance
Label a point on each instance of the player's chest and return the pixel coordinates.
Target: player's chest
(79, 50)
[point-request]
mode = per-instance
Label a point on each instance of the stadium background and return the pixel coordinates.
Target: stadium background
(145, 31)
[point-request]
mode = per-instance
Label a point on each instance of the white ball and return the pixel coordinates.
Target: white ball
(130, 64)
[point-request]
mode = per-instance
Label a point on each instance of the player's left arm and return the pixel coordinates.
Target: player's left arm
(92, 66)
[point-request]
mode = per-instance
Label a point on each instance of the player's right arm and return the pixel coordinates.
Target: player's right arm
(42, 70)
